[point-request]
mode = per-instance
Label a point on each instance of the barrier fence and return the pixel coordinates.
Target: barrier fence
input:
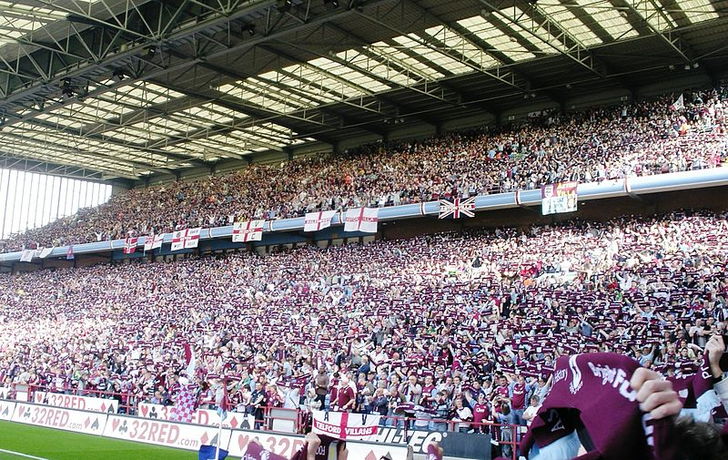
(456, 436)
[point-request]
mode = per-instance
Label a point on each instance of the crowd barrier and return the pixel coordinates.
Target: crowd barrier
(280, 430)
(185, 436)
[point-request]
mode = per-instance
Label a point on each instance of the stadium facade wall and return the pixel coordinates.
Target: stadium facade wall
(598, 201)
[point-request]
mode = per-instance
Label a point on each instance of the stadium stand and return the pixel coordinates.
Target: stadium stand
(593, 327)
(646, 138)
(414, 325)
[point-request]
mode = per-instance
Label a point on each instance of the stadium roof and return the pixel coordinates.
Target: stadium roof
(133, 88)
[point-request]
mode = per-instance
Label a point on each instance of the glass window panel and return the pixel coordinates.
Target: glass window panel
(56, 201)
(84, 200)
(32, 202)
(47, 199)
(4, 179)
(63, 198)
(75, 192)
(698, 10)
(18, 205)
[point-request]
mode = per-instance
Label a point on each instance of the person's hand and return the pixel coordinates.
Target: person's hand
(655, 394)
(313, 442)
(715, 348)
(342, 452)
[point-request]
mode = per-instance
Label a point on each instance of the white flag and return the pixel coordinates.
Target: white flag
(315, 221)
(45, 252)
(679, 104)
(362, 220)
(248, 231)
(153, 241)
(27, 255)
(192, 238)
(148, 242)
(178, 240)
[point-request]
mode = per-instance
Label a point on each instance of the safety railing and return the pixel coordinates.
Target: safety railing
(504, 437)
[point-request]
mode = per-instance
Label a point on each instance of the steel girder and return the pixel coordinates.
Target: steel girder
(532, 18)
(656, 11)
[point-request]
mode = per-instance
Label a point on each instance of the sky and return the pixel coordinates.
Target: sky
(30, 200)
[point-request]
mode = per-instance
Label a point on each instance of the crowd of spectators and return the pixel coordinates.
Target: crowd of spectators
(458, 327)
(643, 138)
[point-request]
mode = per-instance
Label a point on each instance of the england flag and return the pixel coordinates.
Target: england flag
(315, 221)
(178, 240)
(192, 239)
(153, 241)
(251, 230)
(362, 220)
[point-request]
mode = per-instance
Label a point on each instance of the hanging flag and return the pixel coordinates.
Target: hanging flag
(361, 220)
(315, 221)
(340, 426)
(679, 104)
(45, 252)
(559, 197)
(457, 207)
(69, 253)
(130, 244)
(248, 231)
(153, 241)
(178, 240)
(192, 239)
(27, 255)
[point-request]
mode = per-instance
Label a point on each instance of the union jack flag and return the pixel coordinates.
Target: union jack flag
(457, 207)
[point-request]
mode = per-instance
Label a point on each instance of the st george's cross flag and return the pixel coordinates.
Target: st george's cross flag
(345, 426)
(192, 239)
(457, 208)
(130, 244)
(361, 220)
(315, 221)
(185, 239)
(153, 241)
(178, 240)
(251, 230)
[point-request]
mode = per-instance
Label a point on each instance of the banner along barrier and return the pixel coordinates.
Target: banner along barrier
(4, 392)
(175, 434)
(281, 444)
(77, 402)
(287, 445)
(59, 417)
(460, 445)
(163, 433)
(207, 417)
(346, 426)
(7, 409)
